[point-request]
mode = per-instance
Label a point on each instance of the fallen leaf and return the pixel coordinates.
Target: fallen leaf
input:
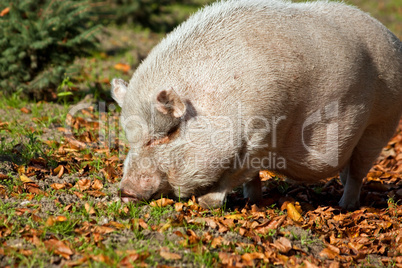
(25, 179)
(96, 184)
(96, 193)
(283, 245)
(129, 259)
(252, 256)
(235, 216)
(83, 184)
(122, 67)
(293, 213)
(164, 253)
(58, 186)
(59, 248)
(163, 202)
(89, 209)
(4, 177)
(4, 11)
(24, 109)
(328, 253)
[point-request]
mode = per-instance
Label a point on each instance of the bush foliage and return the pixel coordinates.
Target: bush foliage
(157, 15)
(40, 39)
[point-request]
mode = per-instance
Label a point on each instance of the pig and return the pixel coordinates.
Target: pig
(307, 90)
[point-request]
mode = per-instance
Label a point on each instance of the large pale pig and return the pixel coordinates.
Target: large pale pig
(304, 89)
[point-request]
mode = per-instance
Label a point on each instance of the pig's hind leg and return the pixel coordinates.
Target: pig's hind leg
(362, 159)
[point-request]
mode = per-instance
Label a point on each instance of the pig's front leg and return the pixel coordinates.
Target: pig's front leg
(217, 196)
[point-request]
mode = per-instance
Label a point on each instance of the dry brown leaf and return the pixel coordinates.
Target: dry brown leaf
(83, 184)
(58, 186)
(74, 143)
(24, 109)
(59, 171)
(101, 258)
(163, 202)
(96, 193)
(50, 221)
(129, 259)
(164, 253)
(78, 262)
(229, 259)
(308, 264)
(79, 195)
(89, 209)
(103, 229)
(253, 256)
(4, 177)
(283, 245)
(328, 253)
(216, 241)
(97, 184)
(178, 206)
(59, 248)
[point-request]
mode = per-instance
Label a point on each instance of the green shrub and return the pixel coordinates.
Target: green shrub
(157, 15)
(39, 40)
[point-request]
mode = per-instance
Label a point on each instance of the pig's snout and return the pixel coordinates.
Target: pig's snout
(139, 187)
(127, 196)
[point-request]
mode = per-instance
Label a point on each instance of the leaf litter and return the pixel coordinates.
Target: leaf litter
(69, 212)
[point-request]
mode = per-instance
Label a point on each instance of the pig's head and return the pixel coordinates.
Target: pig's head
(152, 126)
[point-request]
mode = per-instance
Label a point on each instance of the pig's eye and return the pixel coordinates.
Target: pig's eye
(171, 135)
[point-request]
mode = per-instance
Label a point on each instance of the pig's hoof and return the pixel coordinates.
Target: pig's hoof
(211, 200)
(349, 205)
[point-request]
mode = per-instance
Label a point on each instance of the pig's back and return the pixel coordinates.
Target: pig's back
(244, 47)
(278, 59)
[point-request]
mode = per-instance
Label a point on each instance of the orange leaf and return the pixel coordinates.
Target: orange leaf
(163, 202)
(83, 184)
(293, 213)
(103, 229)
(122, 67)
(252, 256)
(50, 221)
(58, 186)
(178, 207)
(24, 109)
(97, 184)
(61, 218)
(4, 11)
(58, 171)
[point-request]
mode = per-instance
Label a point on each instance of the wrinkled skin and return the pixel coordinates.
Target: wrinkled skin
(307, 90)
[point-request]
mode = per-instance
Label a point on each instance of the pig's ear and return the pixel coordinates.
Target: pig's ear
(119, 90)
(169, 102)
